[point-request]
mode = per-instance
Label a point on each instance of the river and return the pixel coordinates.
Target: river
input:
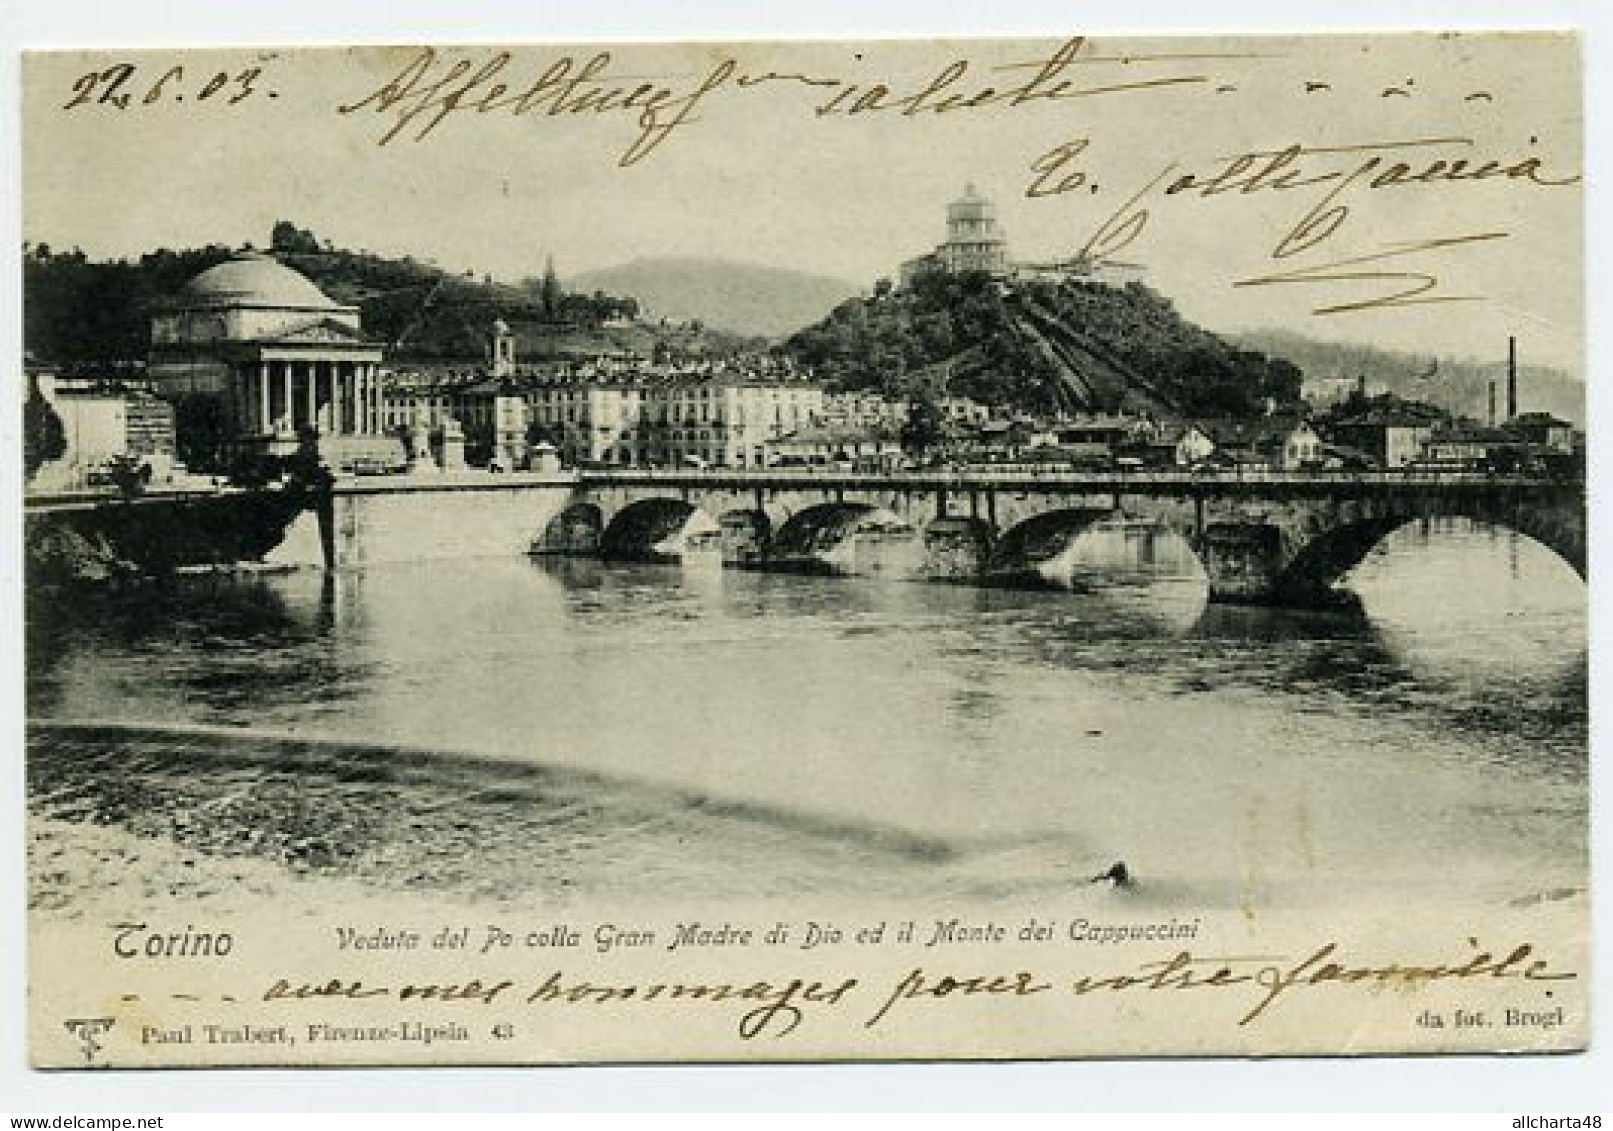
(565, 728)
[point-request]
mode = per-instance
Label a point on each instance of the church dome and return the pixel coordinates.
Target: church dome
(251, 279)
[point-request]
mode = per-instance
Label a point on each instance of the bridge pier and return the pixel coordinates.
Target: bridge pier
(957, 549)
(1243, 562)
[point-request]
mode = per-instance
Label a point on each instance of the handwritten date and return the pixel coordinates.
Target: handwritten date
(123, 85)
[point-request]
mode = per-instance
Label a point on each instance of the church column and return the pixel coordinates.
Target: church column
(311, 368)
(287, 405)
(338, 383)
(361, 404)
(264, 411)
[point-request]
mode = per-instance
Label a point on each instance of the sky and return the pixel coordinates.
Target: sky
(752, 171)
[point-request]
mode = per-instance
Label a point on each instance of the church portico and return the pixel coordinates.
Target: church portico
(281, 394)
(277, 358)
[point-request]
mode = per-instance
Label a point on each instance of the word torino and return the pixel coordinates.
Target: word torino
(138, 940)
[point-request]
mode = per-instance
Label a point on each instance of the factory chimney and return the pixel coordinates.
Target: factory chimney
(1492, 402)
(1512, 377)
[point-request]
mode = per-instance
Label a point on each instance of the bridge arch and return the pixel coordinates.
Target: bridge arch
(825, 537)
(1028, 551)
(1315, 567)
(575, 530)
(658, 530)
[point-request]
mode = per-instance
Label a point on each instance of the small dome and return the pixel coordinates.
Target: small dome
(251, 279)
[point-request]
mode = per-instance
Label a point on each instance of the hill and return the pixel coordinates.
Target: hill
(78, 311)
(1041, 347)
(742, 298)
(1458, 385)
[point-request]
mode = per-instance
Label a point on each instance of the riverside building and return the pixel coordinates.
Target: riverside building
(613, 411)
(277, 356)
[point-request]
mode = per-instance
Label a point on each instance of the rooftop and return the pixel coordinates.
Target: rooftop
(252, 279)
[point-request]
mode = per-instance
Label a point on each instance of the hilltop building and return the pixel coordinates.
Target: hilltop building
(975, 242)
(279, 357)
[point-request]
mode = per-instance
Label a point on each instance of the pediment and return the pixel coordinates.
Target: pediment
(321, 331)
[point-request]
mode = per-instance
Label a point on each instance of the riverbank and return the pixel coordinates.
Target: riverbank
(153, 536)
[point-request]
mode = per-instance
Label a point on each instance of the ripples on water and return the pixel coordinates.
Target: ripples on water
(675, 730)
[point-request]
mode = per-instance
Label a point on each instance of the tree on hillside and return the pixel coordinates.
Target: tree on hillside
(42, 436)
(925, 430)
(551, 292)
(129, 475)
(1030, 344)
(286, 236)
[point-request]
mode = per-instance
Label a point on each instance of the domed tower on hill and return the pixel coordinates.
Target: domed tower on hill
(975, 241)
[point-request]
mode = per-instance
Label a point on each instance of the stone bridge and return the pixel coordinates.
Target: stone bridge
(1267, 537)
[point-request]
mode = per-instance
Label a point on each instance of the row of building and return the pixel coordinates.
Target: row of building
(273, 362)
(750, 411)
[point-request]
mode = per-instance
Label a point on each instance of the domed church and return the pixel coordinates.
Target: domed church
(278, 354)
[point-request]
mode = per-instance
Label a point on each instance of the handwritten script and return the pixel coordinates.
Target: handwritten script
(777, 1007)
(1330, 180)
(1321, 250)
(434, 87)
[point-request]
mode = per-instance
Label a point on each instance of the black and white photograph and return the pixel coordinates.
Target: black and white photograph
(805, 550)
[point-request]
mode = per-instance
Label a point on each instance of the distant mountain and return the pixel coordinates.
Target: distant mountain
(1041, 347)
(1459, 385)
(742, 298)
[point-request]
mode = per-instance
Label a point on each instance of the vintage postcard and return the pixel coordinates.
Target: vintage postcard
(816, 550)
